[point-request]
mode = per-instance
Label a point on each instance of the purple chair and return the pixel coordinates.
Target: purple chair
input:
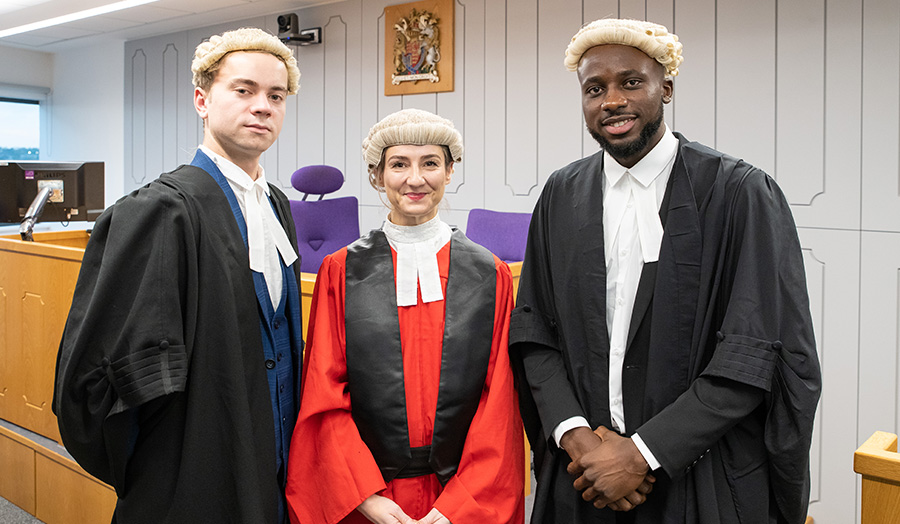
(323, 226)
(502, 233)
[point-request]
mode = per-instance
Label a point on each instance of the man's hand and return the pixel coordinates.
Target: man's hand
(612, 472)
(382, 510)
(633, 499)
(434, 517)
(576, 442)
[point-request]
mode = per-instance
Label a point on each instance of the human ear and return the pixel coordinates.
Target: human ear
(201, 102)
(668, 90)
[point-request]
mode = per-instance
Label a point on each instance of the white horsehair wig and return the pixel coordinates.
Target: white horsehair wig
(208, 55)
(653, 39)
(410, 127)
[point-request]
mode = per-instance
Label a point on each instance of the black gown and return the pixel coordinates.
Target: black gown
(721, 376)
(161, 387)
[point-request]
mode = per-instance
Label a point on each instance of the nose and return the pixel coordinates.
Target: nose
(261, 104)
(416, 176)
(615, 99)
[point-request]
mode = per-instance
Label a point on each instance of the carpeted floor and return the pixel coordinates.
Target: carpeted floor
(12, 514)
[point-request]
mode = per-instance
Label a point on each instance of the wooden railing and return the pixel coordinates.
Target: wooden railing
(878, 462)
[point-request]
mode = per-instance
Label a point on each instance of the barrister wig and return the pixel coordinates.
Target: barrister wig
(410, 127)
(653, 39)
(208, 55)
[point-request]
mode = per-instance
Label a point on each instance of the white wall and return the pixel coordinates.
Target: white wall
(26, 68)
(83, 110)
(87, 111)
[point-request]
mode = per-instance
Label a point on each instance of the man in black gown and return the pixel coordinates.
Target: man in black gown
(178, 374)
(662, 332)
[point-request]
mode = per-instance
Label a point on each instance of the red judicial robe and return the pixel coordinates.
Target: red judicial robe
(331, 471)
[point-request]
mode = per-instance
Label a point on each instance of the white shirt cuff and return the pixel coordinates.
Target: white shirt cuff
(566, 425)
(645, 451)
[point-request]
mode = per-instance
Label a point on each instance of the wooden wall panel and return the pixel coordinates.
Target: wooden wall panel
(17, 488)
(66, 496)
(832, 269)
(39, 281)
(881, 115)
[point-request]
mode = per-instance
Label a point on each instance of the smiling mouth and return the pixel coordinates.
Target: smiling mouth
(415, 196)
(619, 127)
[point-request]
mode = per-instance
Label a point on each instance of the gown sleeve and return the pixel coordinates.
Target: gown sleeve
(489, 483)
(124, 343)
(764, 348)
(331, 470)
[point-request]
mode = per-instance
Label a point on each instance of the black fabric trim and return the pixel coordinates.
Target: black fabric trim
(375, 359)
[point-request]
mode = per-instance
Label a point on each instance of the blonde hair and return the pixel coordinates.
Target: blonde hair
(653, 39)
(208, 55)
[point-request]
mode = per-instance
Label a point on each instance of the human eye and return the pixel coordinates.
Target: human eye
(396, 164)
(593, 90)
(277, 98)
(633, 83)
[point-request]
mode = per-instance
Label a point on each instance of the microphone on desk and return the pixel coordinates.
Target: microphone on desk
(34, 211)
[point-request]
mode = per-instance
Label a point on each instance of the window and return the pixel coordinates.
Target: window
(20, 129)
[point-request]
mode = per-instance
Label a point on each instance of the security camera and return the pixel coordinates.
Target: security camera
(290, 33)
(287, 24)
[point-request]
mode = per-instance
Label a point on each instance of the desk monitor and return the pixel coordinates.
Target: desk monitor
(76, 190)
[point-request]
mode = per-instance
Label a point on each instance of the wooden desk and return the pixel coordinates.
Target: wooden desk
(37, 281)
(878, 462)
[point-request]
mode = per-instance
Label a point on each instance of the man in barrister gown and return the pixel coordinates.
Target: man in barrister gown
(178, 374)
(662, 330)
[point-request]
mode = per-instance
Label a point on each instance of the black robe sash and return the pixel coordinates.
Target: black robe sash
(375, 358)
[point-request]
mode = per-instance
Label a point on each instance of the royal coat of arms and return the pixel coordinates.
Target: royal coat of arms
(417, 48)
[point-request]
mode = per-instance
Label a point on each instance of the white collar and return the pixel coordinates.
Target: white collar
(258, 212)
(235, 174)
(648, 168)
(417, 268)
(638, 189)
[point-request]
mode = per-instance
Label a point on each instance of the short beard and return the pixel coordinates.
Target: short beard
(628, 150)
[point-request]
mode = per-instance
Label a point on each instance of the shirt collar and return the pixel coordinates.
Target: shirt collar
(235, 174)
(412, 234)
(648, 168)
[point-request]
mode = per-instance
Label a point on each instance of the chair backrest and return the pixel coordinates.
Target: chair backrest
(323, 226)
(501, 232)
(317, 180)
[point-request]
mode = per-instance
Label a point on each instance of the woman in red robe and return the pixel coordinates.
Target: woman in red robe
(409, 413)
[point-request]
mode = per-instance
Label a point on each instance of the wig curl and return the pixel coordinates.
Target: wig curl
(653, 39)
(413, 127)
(209, 54)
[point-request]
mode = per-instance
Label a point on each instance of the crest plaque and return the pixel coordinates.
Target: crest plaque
(418, 55)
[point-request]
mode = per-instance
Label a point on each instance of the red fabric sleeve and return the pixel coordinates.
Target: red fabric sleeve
(489, 484)
(330, 471)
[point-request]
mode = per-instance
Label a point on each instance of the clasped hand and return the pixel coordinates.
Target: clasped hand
(382, 510)
(609, 470)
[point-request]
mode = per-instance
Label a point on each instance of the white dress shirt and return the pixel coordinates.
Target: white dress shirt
(265, 235)
(417, 267)
(632, 234)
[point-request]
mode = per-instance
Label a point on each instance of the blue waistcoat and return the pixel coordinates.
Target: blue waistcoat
(281, 329)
